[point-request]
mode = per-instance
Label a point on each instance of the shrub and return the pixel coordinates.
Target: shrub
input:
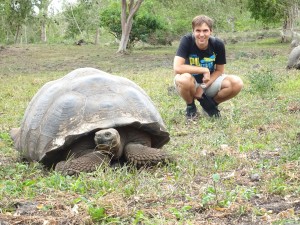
(262, 82)
(143, 27)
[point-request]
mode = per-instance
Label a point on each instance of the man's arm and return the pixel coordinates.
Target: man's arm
(180, 67)
(218, 72)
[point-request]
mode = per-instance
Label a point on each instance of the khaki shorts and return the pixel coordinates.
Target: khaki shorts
(213, 89)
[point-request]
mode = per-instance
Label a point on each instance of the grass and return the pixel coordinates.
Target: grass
(211, 181)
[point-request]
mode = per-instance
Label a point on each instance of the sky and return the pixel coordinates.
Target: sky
(57, 4)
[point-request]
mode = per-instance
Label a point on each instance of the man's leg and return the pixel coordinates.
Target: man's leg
(207, 101)
(187, 88)
(230, 87)
(224, 87)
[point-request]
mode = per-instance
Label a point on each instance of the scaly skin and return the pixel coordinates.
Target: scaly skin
(112, 143)
(141, 155)
(134, 144)
(86, 163)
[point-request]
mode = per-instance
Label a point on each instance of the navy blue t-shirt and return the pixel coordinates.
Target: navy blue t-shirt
(214, 54)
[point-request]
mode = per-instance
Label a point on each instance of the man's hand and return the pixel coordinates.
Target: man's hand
(206, 76)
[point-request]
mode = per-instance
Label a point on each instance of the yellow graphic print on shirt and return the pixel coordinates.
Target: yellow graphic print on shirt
(207, 62)
(194, 60)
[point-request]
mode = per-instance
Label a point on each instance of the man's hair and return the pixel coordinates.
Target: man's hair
(201, 19)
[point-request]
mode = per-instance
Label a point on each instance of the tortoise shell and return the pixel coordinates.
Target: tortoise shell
(84, 101)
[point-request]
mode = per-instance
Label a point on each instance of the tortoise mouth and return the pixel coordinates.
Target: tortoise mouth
(108, 141)
(106, 147)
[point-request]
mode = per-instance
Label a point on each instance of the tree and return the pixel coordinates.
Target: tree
(143, 28)
(43, 16)
(275, 11)
(83, 18)
(3, 16)
(128, 10)
(18, 13)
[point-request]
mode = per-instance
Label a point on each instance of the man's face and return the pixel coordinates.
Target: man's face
(202, 33)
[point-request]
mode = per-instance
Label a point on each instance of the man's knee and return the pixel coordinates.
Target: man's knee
(184, 80)
(237, 84)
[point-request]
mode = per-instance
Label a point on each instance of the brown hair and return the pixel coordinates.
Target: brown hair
(201, 19)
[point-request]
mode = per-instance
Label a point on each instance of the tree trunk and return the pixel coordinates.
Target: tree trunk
(97, 36)
(283, 34)
(126, 22)
(289, 22)
(25, 32)
(125, 38)
(43, 17)
(17, 34)
(43, 32)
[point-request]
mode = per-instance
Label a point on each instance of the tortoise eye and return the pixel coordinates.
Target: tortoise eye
(107, 134)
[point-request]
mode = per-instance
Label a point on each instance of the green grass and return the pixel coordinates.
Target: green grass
(210, 182)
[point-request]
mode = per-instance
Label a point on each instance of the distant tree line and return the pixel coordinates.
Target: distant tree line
(151, 21)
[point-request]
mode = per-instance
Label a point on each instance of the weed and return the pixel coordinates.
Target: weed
(79, 186)
(97, 213)
(139, 217)
(262, 82)
(287, 222)
(180, 214)
(5, 137)
(209, 195)
(277, 186)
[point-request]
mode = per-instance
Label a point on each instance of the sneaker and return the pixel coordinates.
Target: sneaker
(191, 112)
(209, 106)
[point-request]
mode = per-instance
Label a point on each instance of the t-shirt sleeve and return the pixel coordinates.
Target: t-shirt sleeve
(221, 54)
(183, 48)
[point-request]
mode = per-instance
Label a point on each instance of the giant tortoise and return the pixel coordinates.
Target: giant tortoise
(89, 118)
(294, 59)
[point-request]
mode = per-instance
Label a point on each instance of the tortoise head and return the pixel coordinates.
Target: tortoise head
(108, 140)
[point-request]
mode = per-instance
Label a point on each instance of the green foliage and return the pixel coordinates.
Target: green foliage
(144, 24)
(157, 22)
(270, 11)
(181, 213)
(263, 82)
(82, 18)
(263, 9)
(15, 14)
(230, 15)
(209, 195)
(97, 213)
(248, 193)
(139, 218)
(294, 153)
(277, 186)
(4, 136)
(111, 19)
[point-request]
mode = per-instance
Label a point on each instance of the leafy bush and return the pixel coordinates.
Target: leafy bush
(160, 37)
(262, 82)
(143, 27)
(79, 20)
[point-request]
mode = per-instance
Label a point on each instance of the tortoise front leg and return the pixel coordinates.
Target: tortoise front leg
(86, 163)
(141, 155)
